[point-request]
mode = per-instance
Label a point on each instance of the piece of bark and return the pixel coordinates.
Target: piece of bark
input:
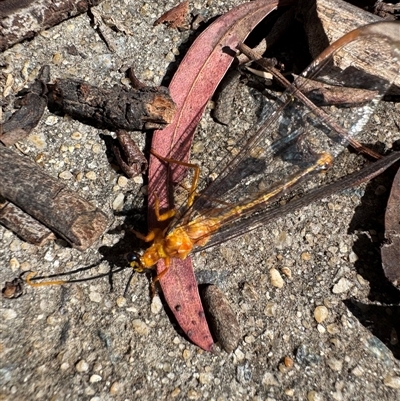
(176, 17)
(323, 25)
(13, 289)
(114, 108)
(32, 106)
(24, 225)
(128, 155)
(23, 19)
(43, 197)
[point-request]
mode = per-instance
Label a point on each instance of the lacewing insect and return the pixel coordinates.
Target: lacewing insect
(368, 61)
(294, 142)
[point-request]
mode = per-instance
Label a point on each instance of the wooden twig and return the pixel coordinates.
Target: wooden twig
(44, 198)
(114, 108)
(33, 103)
(22, 19)
(128, 155)
(24, 225)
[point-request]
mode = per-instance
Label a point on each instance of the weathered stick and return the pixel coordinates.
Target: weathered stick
(33, 103)
(26, 185)
(128, 155)
(22, 19)
(24, 225)
(114, 108)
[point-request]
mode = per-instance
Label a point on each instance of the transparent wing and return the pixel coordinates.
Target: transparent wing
(291, 134)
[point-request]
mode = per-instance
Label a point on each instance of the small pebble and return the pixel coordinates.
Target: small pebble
(8, 314)
(175, 392)
(193, 394)
(95, 378)
(335, 364)
(288, 362)
(342, 286)
(97, 148)
(283, 369)
(306, 256)
(65, 175)
(91, 391)
(138, 180)
(170, 56)
(95, 297)
(48, 256)
(140, 327)
(269, 380)
(244, 373)
(239, 355)
(90, 175)
(76, 135)
(57, 58)
(64, 366)
(186, 354)
(287, 272)
(198, 147)
(38, 140)
(156, 305)
(51, 120)
(353, 257)
(122, 181)
(276, 278)
(358, 371)
(392, 381)
(118, 202)
(14, 264)
(15, 245)
(314, 396)
(82, 366)
(249, 339)
(289, 392)
(115, 388)
(270, 309)
(321, 313)
(205, 378)
(321, 328)
(333, 328)
(361, 280)
(121, 302)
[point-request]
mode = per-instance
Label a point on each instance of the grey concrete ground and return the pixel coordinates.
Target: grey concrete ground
(84, 342)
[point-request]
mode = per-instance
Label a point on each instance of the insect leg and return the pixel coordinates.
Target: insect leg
(159, 276)
(195, 167)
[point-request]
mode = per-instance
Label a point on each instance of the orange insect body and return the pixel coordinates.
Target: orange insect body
(180, 242)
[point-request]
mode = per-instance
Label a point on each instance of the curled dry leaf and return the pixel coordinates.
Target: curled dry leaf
(176, 17)
(128, 155)
(192, 86)
(12, 289)
(391, 250)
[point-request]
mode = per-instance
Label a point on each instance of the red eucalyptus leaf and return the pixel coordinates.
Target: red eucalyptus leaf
(391, 249)
(192, 86)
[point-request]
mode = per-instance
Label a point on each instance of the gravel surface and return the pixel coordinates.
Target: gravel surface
(318, 335)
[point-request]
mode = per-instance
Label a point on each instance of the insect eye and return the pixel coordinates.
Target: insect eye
(132, 257)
